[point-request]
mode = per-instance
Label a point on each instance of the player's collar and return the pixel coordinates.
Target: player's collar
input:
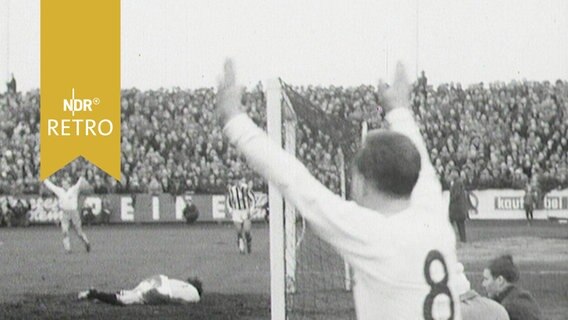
(469, 295)
(504, 293)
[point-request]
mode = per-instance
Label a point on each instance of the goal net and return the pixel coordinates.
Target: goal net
(309, 279)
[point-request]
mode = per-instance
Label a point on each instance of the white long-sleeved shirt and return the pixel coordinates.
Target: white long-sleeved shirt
(159, 289)
(388, 254)
(68, 199)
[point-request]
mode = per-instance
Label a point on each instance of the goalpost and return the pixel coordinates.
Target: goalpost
(276, 227)
(308, 278)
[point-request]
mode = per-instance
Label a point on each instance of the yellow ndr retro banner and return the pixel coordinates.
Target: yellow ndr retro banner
(80, 84)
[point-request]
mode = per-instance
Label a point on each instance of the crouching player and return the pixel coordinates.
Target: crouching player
(240, 202)
(157, 289)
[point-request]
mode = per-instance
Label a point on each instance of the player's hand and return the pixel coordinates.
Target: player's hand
(398, 95)
(228, 104)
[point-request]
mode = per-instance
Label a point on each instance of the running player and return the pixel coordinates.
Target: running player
(157, 289)
(68, 202)
(395, 234)
(240, 202)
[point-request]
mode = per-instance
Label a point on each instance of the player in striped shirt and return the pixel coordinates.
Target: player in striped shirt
(240, 202)
(68, 197)
(157, 289)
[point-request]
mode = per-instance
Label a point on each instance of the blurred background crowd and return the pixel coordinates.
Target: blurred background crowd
(498, 135)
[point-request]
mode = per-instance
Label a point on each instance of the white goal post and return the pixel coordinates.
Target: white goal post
(284, 238)
(276, 203)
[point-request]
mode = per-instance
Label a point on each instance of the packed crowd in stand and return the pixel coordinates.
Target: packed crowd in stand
(497, 135)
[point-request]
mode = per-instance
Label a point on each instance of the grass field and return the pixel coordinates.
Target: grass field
(39, 281)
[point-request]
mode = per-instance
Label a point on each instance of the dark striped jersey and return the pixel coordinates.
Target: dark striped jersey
(240, 197)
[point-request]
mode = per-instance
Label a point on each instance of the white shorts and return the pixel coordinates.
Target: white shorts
(240, 216)
(70, 216)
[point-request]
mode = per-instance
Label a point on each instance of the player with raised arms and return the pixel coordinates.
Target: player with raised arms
(395, 233)
(68, 197)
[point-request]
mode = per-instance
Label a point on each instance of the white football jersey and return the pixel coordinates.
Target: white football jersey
(159, 289)
(67, 198)
(403, 264)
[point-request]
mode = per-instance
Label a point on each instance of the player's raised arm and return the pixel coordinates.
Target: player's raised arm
(401, 120)
(53, 188)
(332, 217)
(80, 183)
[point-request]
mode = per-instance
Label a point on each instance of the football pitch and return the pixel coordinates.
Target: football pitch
(39, 281)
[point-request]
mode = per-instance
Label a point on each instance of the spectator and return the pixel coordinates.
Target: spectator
(155, 187)
(11, 85)
(19, 213)
(499, 280)
(190, 210)
(105, 211)
(88, 187)
(134, 184)
(459, 205)
(530, 199)
(422, 84)
(5, 213)
(473, 306)
(99, 186)
(122, 186)
(170, 128)
(165, 183)
(87, 214)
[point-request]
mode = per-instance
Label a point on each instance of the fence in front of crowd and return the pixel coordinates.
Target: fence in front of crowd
(136, 208)
(502, 204)
(508, 204)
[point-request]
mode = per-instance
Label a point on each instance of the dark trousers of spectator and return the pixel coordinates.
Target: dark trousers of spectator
(529, 213)
(6, 219)
(21, 220)
(105, 216)
(460, 226)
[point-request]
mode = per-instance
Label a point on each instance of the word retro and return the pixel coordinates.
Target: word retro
(79, 127)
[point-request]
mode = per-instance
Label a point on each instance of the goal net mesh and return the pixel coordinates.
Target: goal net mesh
(317, 278)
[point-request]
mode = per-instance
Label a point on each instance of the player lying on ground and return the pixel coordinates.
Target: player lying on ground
(158, 289)
(395, 234)
(68, 198)
(240, 202)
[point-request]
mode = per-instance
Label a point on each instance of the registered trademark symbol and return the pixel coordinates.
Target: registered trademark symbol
(96, 101)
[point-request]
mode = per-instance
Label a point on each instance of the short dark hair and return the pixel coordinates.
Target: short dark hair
(390, 161)
(196, 283)
(504, 266)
